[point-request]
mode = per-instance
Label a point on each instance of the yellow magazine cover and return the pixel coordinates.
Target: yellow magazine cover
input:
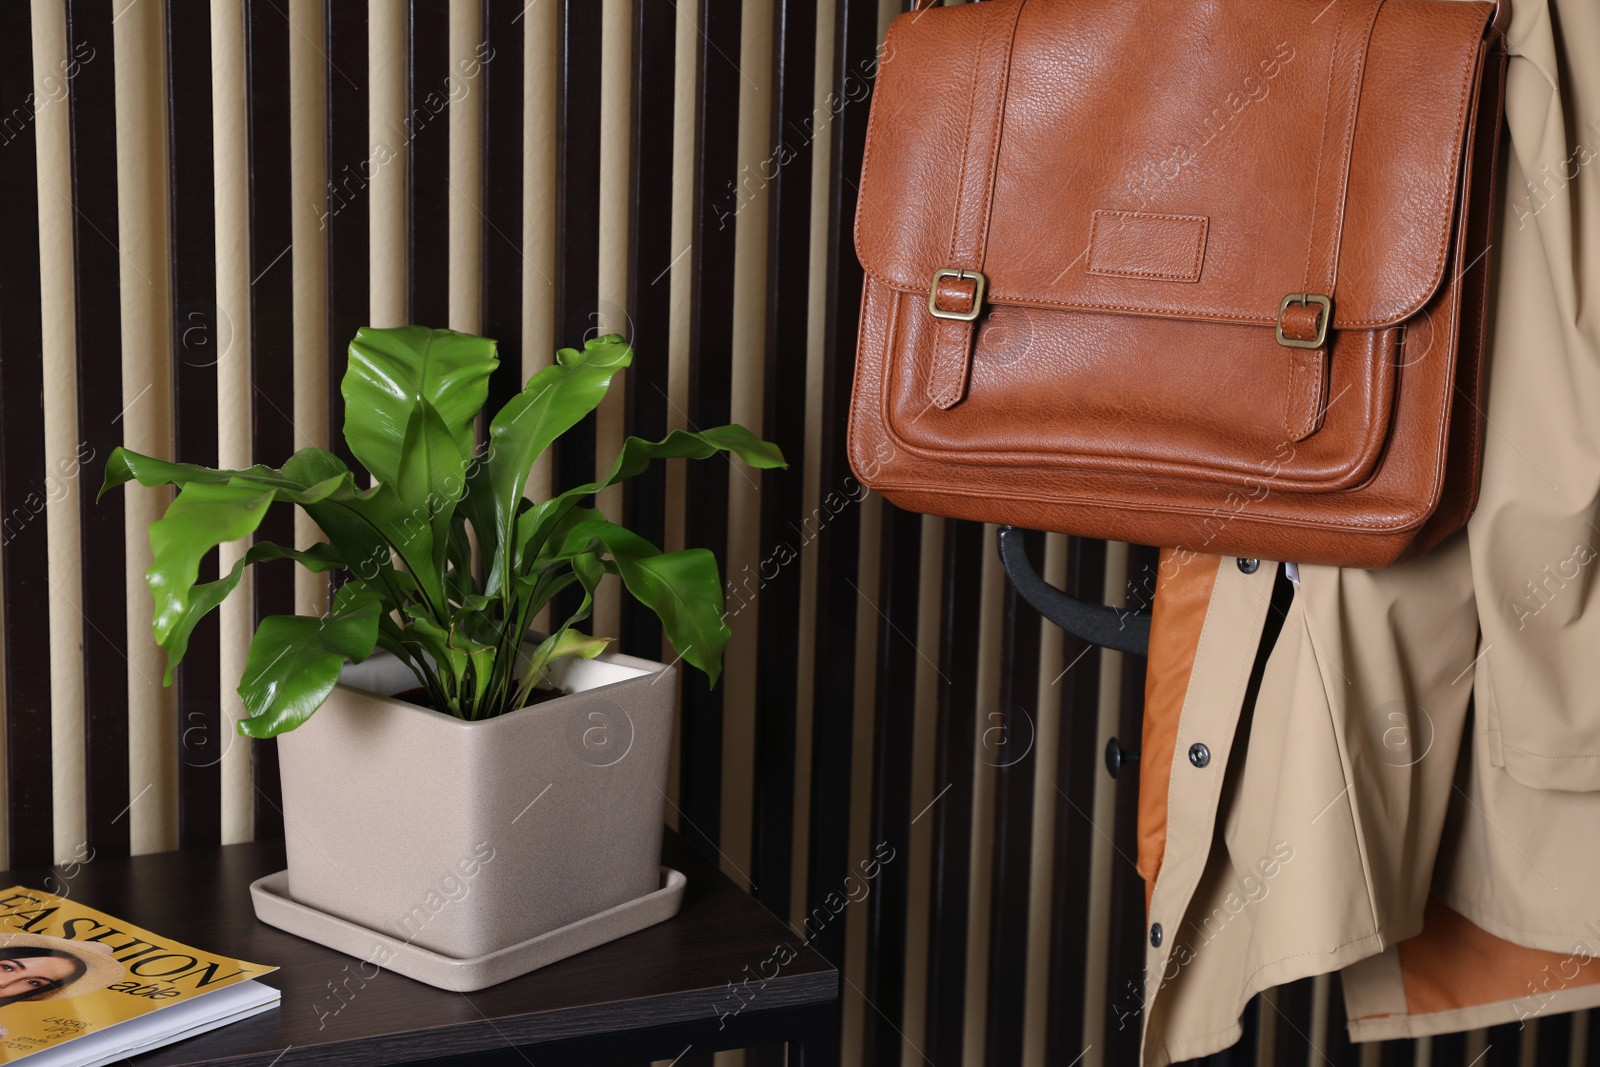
(67, 970)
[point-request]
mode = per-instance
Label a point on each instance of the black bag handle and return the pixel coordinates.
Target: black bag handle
(1114, 628)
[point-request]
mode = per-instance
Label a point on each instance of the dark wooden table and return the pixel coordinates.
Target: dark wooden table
(670, 989)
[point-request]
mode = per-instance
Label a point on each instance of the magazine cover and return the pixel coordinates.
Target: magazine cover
(67, 971)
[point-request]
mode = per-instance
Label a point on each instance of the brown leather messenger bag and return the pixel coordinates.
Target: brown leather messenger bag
(1201, 274)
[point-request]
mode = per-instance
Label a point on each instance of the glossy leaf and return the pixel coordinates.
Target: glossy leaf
(684, 589)
(554, 401)
(123, 466)
(295, 660)
(203, 599)
(391, 371)
(539, 525)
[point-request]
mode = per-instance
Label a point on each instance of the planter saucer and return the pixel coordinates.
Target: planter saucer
(275, 907)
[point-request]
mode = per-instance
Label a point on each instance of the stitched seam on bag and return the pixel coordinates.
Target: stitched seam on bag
(941, 391)
(966, 143)
(946, 386)
(1098, 503)
(1199, 247)
(1299, 373)
(886, 49)
(1342, 178)
(1322, 138)
(852, 439)
(999, 132)
(1469, 501)
(1210, 473)
(1289, 400)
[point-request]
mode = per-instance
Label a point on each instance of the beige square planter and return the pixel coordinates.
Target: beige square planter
(464, 838)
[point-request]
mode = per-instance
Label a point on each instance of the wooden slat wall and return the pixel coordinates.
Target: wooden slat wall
(897, 730)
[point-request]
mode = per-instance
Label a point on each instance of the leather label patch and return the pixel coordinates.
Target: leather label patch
(1133, 244)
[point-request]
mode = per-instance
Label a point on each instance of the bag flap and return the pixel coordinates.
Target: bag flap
(1170, 165)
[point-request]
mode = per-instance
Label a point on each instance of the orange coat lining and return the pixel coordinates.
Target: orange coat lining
(1183, 593)
(1455, 964)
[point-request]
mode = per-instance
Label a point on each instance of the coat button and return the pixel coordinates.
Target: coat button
(1249, 566)
(1199, 755)
(1118, 757)
(1155, 935)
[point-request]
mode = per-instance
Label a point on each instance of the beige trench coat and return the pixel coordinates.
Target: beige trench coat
(1413, 796)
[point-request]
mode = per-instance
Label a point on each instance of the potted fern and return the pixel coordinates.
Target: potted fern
(434, 796)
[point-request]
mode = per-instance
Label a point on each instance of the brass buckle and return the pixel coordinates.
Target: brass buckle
(977, 294)
(1322, 323)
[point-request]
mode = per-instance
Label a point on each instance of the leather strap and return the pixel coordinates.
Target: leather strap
(1308, 367)
(969, 234)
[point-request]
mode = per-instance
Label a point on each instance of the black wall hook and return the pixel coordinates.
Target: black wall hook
(1115, 628)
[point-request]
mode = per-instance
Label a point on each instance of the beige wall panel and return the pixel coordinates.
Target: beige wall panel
(744, 485)
(1046, 802)
(1102, 857)
(926, 791)
(679, 278)
(541, 26)
(681, 274)
(308, 165)
(464, 88)
(60, 430)
(611, 314)
(230, 162)
(142, 235)
(986, 660)
(386, 114)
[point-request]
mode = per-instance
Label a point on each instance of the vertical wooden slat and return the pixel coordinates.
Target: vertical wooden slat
(1009, 733)
(500, 80)
(710, 380)
(784, 526)
(1077, 763)
(197, 336)
(24, 466)
(426, 132)
(271, 330)
(350, 164)
(838, 545)
(1129, 932)
(100, 406)
(953, 782)
(900, 564)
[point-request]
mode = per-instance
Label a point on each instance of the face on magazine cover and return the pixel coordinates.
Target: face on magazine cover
(36, 967)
